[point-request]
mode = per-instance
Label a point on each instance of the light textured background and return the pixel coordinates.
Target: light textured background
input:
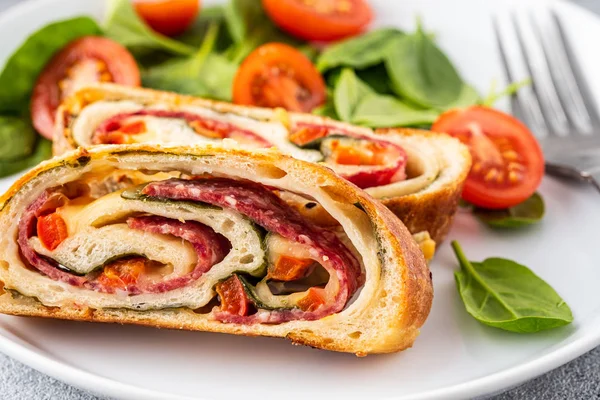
(580, 379)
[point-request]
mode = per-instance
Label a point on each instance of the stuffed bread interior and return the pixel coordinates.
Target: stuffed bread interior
(384, 165)
(208, 231)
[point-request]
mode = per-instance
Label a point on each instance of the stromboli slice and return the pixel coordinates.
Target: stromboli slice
(418, 174)
(231, 254)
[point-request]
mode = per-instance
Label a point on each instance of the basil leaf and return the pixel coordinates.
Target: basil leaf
(506, 295)
(347, 94)
(360, 51)
(126, 27)
(27, 62)
(43, 151)
(421, 72)
(529, 212)
(18, 138)
(377, 111)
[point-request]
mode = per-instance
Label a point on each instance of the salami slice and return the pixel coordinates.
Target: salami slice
(267, 210)
(212, 129)
(210, 248)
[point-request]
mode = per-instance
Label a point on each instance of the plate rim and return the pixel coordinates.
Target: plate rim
(486, 385)
(496, 382)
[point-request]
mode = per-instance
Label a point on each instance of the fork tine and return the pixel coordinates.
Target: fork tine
(556, 46)
(516, 70)
(543, 80)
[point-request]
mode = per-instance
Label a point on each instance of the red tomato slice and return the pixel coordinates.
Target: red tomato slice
(134, 128)
(86, 60)
(233, 296)
(508, 164)
(122, 273)
(277, 75)
(320, 19)
(313, 300)
(169, 17)
(51, 230)
(307, 134)
(122, 133)
(289, 268)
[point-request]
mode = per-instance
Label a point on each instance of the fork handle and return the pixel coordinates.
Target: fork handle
(594, 179)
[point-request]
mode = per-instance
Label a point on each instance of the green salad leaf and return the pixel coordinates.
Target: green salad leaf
(18, 138)
(326, 110)
(421, 73)
(531, 211)
(360, 51)
(204, 74)
(194, 35)
(509, 90)
(42, 151)
(243, 17)
(354, 101)
(126, 27)
(27, 62)
(218, 73)
(378, 111)
(349, 91)
(468, 97)
(310, 51)
(250, 27)
(377, 78)
(506, 295)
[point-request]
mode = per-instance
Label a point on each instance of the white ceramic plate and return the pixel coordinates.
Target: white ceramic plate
(455, 357)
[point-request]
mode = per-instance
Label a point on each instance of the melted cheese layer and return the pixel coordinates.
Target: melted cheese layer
(246, 254)
(175, 131)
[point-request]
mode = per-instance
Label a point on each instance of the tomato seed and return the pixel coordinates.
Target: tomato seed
(491, 174)
(344, 6)
(510, 155)
(515, 166)
(514, 176)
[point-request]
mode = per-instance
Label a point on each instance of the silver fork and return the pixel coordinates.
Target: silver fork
(558, 107)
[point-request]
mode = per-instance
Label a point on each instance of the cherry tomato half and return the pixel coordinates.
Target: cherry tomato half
(277, 75)
(169, 17)
(319, 19)
(508, 164)
(86, 60)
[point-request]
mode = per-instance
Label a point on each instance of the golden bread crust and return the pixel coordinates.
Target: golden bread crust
(431, 211)
(390, 322)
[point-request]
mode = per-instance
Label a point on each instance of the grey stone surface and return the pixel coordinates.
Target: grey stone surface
(579, 379)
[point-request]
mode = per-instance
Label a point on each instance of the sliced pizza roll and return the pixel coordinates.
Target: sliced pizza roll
(418, 174)
(205, 238)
